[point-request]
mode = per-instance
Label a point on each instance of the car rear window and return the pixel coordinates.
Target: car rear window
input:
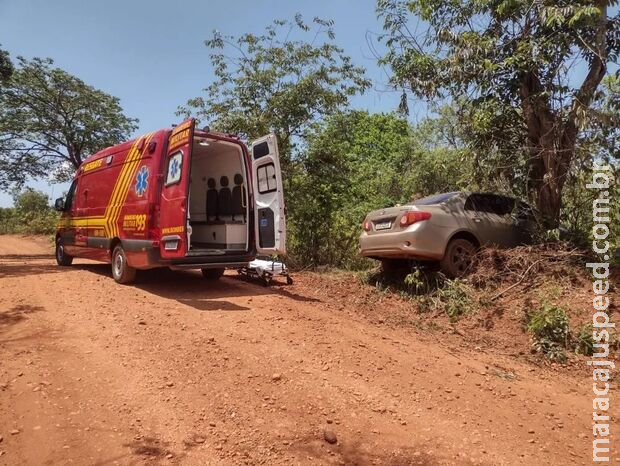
(436, 199)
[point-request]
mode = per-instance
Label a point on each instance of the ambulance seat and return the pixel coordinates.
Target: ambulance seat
(224, 199)
(212, 200)
(238, 207)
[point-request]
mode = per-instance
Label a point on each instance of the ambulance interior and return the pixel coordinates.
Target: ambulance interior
(218, 198)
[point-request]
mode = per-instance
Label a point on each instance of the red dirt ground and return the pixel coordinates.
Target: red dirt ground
(177, 370)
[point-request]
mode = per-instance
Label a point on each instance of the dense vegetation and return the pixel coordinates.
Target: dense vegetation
(31, 214)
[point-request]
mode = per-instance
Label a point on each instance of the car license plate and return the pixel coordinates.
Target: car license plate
(383, 226)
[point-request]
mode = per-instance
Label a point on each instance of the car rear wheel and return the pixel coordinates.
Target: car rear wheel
(121, 271)
(62, 258)
(212, 274)
(458, 259)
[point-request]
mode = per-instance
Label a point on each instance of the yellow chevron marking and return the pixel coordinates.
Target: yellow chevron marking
(121, 184)
(124, 191)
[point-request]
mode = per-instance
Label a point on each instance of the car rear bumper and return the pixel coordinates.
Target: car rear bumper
(403, 244)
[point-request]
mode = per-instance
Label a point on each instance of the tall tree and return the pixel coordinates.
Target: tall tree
(281, 81)
(526, 57)
(50, 121)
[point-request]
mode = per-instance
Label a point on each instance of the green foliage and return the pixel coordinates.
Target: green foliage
(550, 331)
(417, 282)
(455, 297)
(429, 289)
(6, 66)
(32, 214)
(30, 200)
(584, 341)
(281, 81)
(50, 121)
(353, 164)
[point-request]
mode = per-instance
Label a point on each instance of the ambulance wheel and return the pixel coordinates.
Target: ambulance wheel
(212, 274)
(62, 258)
(121, 271)
(289, 281)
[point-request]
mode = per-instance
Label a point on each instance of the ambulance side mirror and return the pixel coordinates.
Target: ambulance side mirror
(59, 205)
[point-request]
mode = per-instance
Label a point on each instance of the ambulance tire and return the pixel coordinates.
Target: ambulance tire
(121, 271)
(212, 274)
(62, 258)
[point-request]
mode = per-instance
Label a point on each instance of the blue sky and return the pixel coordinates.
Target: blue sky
(151, 54)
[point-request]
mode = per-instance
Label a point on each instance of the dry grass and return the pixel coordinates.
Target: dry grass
(527, 266)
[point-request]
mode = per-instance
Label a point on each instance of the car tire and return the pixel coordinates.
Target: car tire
(122, 272)
(62, 258)
(458, 258)
(212, 274)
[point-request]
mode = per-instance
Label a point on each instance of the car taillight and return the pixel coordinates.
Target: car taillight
(413, 216)
(367, 226)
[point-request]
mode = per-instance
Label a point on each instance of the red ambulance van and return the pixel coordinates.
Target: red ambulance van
(182, 198)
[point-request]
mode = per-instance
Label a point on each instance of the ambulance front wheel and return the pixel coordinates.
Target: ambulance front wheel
(212, 274)
(62, 258)
(121, 271)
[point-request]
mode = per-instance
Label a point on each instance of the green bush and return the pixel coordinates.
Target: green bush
(28, 223)
(551, 332)
(584, 341)
(455, 297)
(31, 215)
(431, 290)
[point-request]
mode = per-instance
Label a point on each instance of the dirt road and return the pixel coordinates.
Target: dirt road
(176, 370)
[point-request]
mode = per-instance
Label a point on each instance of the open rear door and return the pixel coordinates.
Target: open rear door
(174, 192)
(270, 222)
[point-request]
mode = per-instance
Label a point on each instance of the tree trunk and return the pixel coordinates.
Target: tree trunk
(542, 127)
(552, 137)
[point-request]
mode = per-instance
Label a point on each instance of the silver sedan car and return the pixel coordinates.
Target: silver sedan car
(447, 228)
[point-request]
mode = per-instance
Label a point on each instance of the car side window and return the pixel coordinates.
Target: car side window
(479, 203)
(490, 203)
(470, 203)
(502, 205)
(70, 196)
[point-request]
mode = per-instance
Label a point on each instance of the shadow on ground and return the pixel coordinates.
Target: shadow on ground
(15, 265)
(360, 455)
(24, 257)
(191, 289)
(17, 314)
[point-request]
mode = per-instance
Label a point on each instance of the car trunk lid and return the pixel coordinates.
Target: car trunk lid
(384, 220)
(388, 220)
